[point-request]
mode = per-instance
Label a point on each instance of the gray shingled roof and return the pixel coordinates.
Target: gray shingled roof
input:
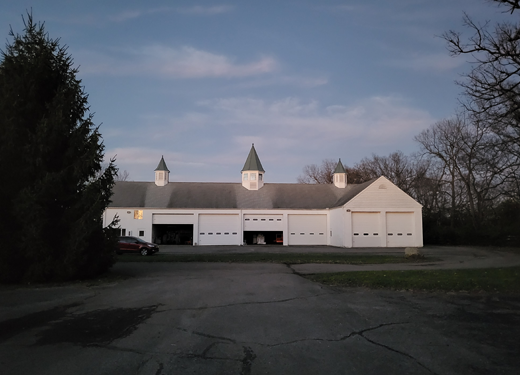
(340, 168)
(253, 161)
(162, 165)
(231, 195)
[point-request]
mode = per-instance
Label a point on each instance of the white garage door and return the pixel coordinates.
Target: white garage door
(307, 229)
(219, 229)
(263, 222)
(399, 229)
(173, 219)
(366, 229)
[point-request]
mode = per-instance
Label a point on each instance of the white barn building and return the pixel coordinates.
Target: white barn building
(372, 214)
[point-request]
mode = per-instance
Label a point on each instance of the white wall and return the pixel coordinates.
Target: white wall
(127, 221)
(376, 198)
(383, 196)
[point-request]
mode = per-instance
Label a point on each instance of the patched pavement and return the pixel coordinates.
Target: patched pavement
(220, 318)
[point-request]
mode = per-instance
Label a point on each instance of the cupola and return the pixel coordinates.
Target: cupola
(162, 174)
(253, 172)
(340, 176)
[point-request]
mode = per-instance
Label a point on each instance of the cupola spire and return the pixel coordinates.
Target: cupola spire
(162, 174)
(253, 172)
(340, 176)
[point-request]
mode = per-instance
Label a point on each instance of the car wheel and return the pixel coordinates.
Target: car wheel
(144, 251)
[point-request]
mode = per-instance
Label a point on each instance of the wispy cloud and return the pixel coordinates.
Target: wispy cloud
(211, 10)
(168, 62)
(347, 8)
(291, 121)
(438, 62)
(285, 80)
(290, 129)
(127, 15)
(195, 10)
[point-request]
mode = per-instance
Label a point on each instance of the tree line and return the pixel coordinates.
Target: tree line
(467, 172)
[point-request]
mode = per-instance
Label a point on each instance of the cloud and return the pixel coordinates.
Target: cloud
(378, 119)
(146, 156)
(141, 161)
(288, 133)
(195, 10)
(200, 10)
(284, 80)
(439, 62)
(126, 15)
(167, 62)
(347, 8)
(288, 123)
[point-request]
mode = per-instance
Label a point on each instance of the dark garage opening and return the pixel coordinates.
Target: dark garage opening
(271, 238)
(172, 234)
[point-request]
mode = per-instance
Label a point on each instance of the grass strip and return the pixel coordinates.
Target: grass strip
(470, 280)
(296, 258)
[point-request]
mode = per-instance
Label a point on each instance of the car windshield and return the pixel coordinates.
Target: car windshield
(140, 240)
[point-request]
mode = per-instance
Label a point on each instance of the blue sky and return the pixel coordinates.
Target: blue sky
(199, 81)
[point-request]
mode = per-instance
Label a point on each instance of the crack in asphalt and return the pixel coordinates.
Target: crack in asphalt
(143, 362)
(242, 303)
(398, 352)
(160, 369)
(209, 347)
(289, 265)
(343, 338)
(247, 360)
(249, 354)
(362, 334)
(206, 335)
(122, 349)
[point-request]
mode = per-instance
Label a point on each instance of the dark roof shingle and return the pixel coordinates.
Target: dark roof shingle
(232, 195)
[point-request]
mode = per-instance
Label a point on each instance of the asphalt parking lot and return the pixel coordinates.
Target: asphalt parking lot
(220, 318)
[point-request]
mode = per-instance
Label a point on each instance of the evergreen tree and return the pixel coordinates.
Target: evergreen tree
(50, 160)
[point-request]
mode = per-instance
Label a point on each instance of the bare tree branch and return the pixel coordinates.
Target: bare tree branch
(122, 176)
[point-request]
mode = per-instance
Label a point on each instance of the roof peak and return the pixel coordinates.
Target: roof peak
(340, 168)
(162, 165)
(253, 161)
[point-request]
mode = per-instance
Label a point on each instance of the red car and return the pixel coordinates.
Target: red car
(128, 244)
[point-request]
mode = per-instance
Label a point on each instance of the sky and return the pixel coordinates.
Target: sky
(304, 80)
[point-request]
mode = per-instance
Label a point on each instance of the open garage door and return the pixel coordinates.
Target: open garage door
(366, 229)
(399, 229)
(172, 234)
(172, 229)
(219, 229)
(263, 229)
(307, 229)
(263, 222)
